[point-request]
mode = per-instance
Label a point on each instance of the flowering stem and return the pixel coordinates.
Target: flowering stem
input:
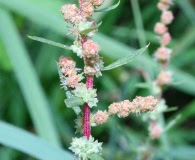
(86, 115)
(80, 4)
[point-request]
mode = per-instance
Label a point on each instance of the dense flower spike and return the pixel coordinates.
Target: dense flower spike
(83, 28)
(82, 147)
(139, 104)
(162, 54)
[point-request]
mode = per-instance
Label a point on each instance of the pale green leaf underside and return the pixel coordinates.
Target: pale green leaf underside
(43, 40)
(28, 143)
(95, 157)
(73, 101)
(125, 60)
(86, 31)
(108, 8)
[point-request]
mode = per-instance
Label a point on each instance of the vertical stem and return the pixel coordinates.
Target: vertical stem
(86, 115)
(80, 4)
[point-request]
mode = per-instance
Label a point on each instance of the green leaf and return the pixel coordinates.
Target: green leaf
(125, 60)
(29, 83)
(108, 8)
(86, 31)
(43, 40)
(28, 143)
(95, 157)
(73, 101)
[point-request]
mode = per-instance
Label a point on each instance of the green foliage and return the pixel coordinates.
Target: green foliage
(28, 143)
(95, 157)
(125, 60)
(43, 40)
(108, 8)
(86, 31)
(120, 34)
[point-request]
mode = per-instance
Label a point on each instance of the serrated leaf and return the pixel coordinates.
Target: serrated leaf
(95, 156)
(126, 59)
(73, 101)
(43, 40)
(108, 8)
(86, 31)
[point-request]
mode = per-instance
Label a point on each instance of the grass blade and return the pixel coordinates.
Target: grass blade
(28, 80)
(23, 141)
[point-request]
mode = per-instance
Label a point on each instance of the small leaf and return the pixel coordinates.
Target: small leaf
(95, 156)
(73, 101)
(126, 59)
(108, 8)
(171, 109)
(43, 40)
(86, 31)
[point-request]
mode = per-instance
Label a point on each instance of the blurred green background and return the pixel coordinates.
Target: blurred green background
(30, 94)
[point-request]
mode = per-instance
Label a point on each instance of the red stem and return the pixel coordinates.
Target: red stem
(86, 115)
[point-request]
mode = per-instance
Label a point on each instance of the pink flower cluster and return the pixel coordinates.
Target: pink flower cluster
(164, 78)
(101, 117)
(155, 130)
(91, 56)
(71, 13)
(67, 68)
(90, 49)
(124, 108)
(163, 54)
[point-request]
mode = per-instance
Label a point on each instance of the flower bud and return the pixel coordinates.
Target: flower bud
(89, 70)
(163, 6)
(101, 117)
(114, 108)
(72, 80)
(163, 54)
(155, 130)
(87, 9)
(165, 39)
(124, 109)
(167, 17)
(66, 64)
(164, 78)
(90, 49)
(144, 104)
(70, 12)
(160, 28)
(97, 3)
(166, 1)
